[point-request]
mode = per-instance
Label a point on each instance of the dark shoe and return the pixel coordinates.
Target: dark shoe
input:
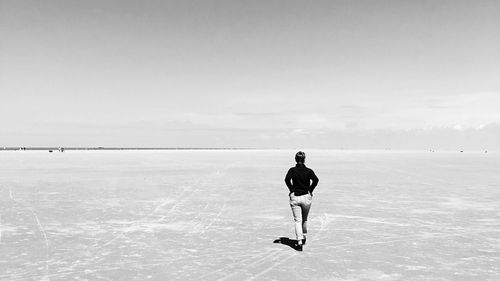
(304, 241)
(299, 248)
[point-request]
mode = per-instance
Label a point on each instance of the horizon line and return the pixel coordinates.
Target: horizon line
(101, 148)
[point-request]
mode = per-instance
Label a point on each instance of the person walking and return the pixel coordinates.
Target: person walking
(301, 182)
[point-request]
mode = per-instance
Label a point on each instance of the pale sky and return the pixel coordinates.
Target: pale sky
(273, 74)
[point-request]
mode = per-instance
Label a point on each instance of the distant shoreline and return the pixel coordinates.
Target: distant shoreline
(119, 148)
(101, 148)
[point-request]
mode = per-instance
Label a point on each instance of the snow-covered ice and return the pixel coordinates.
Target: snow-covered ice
(213, 215)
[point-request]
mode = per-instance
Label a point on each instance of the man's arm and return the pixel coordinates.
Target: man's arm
(315, 181)
(288, 180)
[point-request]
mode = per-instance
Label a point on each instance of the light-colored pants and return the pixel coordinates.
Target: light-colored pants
(300, 209)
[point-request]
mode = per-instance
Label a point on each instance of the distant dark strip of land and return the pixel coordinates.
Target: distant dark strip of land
(120, 148)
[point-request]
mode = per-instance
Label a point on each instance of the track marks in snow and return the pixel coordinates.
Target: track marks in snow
(162, 215)
(40, 228)
(241, 266)
(214, 219)
(273, 266)
(180, 199)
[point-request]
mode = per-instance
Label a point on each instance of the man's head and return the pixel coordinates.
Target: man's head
(300, 157)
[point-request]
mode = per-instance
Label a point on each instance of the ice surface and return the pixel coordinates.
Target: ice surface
(213, 215)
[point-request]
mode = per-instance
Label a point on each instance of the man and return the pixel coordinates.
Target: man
(298, 180)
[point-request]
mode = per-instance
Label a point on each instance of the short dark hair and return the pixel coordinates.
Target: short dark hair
(300, 157)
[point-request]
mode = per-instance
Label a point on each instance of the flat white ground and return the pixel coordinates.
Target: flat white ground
(213, 215)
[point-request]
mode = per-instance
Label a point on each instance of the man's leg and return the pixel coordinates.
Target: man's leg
(306, 206)
(297, 217)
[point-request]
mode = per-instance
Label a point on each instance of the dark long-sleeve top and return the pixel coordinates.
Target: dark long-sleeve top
(298, 179)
